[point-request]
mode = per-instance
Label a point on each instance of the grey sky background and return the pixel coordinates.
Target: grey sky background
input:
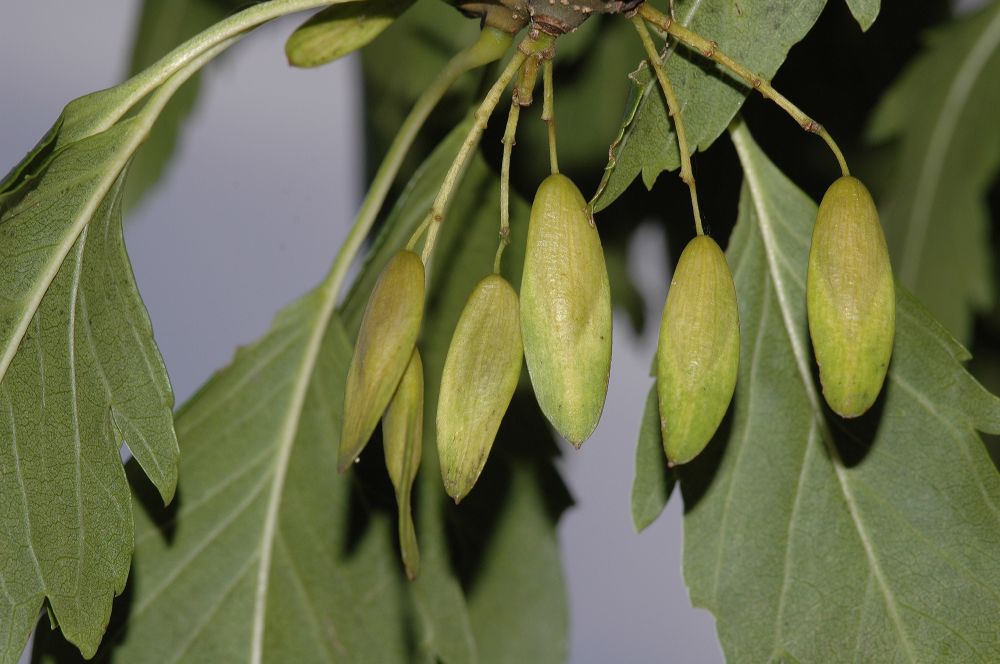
(248, 216)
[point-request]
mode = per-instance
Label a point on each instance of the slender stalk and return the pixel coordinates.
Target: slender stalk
(710, 49)
(533, 43)
(549, 115)
(508, 145)
(490, 42)
(687, 175)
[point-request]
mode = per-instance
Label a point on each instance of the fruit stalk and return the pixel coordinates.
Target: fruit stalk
(534, 43)
(549, 115)
(490, 45)
(687, 174)
(710, 50)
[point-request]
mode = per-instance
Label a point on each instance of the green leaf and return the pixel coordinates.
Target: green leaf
(257, 562)
(653, 482)
(80, 376)
(758, 35)
(336, 31)
(934, 207)
(864, 11)
(815, 539)
(79, 372)
(270, 555)
(518, 589)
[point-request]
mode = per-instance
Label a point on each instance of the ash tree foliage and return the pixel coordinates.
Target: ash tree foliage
(241, 531)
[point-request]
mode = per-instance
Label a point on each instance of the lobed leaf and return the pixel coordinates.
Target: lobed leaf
(79, 372)
(239, 569)
(79, 375)
(813, 538)
(86, 378)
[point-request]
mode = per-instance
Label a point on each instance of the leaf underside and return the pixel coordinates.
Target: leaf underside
(80, 376)
(813, 538)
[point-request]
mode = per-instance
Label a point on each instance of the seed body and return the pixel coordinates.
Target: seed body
(698, 356)
(566, 310)
(402, 442)
(388, 333)
(850, 298)
(480, 375)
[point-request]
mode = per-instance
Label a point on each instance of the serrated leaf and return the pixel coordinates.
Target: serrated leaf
(653, 481)
(934, 207)
(80, 376)
(79, 372)
(86, 379)
(241, 570)
(816, 539)
(758, 35)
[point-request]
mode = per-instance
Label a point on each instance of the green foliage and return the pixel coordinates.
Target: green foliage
(758, 35)
(79, 375)
(654, 482)
(79, 372)
(814, 536)
(811, 538)
(86, 378)
(941, 116)
(236, 569)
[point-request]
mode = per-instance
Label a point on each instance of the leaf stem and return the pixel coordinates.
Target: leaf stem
(532, 44)
(687, 175)
(710, 50)
(549, 114)
(490, 45)
(508, 145)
